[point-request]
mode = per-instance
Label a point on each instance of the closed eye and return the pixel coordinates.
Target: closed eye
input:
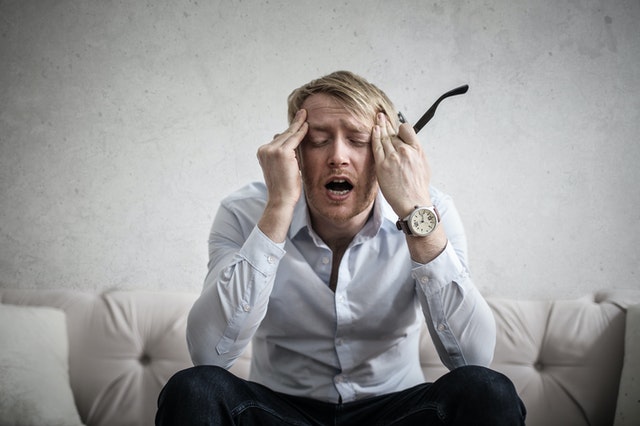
(317, 142)
(360, 142)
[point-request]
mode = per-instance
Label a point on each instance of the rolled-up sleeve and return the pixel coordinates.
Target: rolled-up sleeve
(236, 292)
(459, 320)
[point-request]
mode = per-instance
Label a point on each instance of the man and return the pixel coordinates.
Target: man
(330, 268)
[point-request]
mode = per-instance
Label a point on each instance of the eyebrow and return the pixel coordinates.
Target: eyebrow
(351, 132)
(350, 127)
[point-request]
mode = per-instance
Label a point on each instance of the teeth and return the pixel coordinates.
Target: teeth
(339, 186)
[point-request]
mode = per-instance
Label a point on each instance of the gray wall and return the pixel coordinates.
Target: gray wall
(123, 124)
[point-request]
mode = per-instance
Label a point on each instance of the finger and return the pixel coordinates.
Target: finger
(286, 143)
(376, 145)
(395, 140)
(296, 138)
(300, 117)
(408, 135)
(297, 125)
(385, 136)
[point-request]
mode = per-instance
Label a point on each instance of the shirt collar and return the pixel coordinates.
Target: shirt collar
(383, 215)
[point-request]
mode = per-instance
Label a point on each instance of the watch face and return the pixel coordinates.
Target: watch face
(423, 222)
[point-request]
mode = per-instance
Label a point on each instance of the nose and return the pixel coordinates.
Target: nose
(339, 153)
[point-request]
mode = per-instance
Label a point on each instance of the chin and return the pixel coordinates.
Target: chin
(340, 214)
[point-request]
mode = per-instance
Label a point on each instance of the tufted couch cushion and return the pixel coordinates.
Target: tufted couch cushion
(564, 356)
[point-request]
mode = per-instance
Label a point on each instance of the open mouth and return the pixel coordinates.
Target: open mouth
(339, 186)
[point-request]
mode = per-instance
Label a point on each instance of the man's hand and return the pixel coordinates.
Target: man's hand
(402, 167)
(404, 175)
(281, 175)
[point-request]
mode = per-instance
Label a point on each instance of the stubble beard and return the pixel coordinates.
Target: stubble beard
(330, 210)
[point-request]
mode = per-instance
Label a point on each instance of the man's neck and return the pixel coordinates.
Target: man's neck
(338, 234)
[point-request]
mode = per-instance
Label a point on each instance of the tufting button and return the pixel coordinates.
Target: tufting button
(538, 366)
(144, 359)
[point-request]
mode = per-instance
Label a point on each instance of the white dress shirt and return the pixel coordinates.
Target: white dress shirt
(361, 340)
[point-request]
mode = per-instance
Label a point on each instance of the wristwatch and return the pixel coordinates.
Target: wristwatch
(421, 221)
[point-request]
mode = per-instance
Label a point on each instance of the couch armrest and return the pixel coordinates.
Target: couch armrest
(628, 406)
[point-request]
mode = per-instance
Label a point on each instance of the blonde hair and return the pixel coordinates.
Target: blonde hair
(356, 94)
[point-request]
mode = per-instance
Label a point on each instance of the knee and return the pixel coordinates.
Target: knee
(198, 373)
(195, 380)
(485, 383)
(189, 396)
(482, 379)
(482, 388)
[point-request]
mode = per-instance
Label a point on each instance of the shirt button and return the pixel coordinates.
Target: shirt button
(339, 342)
(339, 378)
(441, 327)
(424, 280)
(246, 307)
(271, 259)
(325, 260)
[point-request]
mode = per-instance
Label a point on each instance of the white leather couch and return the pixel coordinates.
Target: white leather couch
(565, 357)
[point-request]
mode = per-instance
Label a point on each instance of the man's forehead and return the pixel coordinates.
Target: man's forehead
(324, 111)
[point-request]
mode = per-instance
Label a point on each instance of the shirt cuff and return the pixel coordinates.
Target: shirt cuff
(262, 253)
(440, 272)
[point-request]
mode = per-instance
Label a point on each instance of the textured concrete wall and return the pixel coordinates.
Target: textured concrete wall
(123, 123)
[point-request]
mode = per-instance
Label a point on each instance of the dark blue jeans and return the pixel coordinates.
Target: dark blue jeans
(208, 395)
